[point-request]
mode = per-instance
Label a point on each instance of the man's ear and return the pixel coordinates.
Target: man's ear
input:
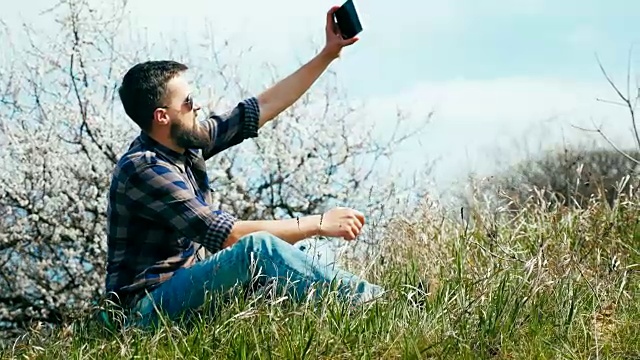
(161, 117)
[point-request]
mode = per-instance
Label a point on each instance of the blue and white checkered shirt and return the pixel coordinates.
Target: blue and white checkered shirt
(160, 210)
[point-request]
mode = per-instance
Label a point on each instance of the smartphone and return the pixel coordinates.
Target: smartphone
(348, 21)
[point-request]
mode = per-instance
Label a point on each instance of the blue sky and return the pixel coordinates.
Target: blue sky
(497, 73)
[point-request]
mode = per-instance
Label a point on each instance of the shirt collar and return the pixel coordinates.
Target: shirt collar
(173, 155)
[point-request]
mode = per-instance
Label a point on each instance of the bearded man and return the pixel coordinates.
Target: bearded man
(160, 214)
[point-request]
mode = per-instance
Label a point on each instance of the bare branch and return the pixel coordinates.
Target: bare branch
(626, 99)
(599, 131)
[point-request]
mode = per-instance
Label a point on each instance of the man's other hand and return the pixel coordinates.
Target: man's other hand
(342, 222)
(335, 42)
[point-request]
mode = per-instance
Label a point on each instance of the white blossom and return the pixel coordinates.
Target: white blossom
(63, 128)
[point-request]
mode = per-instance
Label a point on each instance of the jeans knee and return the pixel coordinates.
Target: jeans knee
(263, 249)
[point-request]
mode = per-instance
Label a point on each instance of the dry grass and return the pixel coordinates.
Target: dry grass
(540, 282)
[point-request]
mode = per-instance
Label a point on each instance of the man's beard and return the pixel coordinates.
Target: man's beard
(195, 137)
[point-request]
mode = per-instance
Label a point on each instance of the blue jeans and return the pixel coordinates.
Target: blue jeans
(256, 258)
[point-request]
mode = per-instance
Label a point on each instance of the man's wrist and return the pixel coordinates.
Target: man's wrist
(311, 225)
(327, 55)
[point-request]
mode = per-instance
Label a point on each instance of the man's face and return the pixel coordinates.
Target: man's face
(185, 130)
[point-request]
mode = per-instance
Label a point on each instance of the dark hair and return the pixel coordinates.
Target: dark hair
(143, 88)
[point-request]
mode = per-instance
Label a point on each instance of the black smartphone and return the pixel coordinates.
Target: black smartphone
(347, 19)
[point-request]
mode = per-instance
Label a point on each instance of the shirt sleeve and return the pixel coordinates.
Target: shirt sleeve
(157, 192)
(233, 127)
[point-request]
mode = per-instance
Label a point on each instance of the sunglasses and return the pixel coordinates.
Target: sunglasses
(188, 101)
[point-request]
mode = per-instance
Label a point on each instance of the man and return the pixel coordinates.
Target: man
(159, 209)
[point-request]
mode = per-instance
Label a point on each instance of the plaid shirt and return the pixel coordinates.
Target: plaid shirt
(159, 210)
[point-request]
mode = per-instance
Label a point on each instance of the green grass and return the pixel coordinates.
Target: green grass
(538, 284)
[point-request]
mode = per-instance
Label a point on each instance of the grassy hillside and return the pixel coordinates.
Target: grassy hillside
(537, 283)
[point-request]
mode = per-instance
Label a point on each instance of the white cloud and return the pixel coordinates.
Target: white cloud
(477, 120)
(504, 99)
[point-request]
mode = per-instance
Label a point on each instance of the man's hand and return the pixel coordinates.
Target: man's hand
(280, 96)
(342, 222)
(334, 40)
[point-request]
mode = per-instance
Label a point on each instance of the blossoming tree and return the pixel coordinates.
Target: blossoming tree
(63, 129)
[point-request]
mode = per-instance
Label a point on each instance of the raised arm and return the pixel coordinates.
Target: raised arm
(287, 91)
(232, 127)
